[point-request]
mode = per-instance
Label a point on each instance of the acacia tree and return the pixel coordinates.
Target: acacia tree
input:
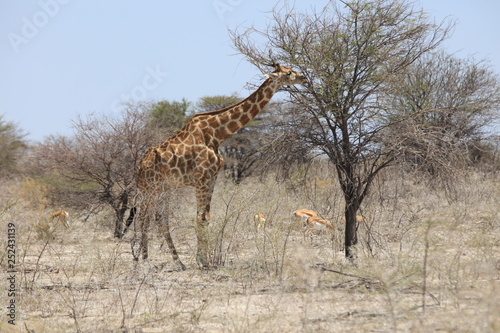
(350, 53)
(440, 109)
(12, 144)
(169, 115)
(103, 153)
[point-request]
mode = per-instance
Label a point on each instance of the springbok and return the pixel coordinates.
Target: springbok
(47, 228)
(359, 219)
(260, 220)
(62, 217)
(317, 223)
(303, 215)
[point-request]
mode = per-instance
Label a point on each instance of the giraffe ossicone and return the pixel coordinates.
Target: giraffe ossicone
(191, 157)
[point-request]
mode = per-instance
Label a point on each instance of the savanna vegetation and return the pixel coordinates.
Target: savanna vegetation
(390, 127)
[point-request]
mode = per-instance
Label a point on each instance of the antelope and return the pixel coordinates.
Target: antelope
(259, 219)
(359, 218)
(303, 215)
(48, 228)
(62, 217)
(317, 223)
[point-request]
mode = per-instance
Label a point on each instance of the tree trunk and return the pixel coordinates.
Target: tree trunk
(352, 202)
(351, 236)
(118, 223)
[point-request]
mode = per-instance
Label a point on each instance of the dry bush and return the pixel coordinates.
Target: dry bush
(97, 164)
(34, 194)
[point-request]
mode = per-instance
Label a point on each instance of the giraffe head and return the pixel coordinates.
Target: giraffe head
(286, 76)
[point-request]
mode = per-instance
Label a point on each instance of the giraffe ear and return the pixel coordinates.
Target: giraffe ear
(271, 75)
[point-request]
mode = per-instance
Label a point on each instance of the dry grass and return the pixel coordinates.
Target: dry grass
(426, 264)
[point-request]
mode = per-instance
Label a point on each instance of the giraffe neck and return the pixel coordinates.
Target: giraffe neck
(230, 119)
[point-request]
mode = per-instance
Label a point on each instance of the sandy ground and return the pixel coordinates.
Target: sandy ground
(424, 265)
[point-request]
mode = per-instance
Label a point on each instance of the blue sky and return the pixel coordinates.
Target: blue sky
(61, 58)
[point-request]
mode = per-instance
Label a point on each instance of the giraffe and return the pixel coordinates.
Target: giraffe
(191, 157)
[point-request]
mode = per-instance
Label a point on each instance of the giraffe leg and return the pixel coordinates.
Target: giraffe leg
(144, 238)
(203, 198)
(165, 230)
(144, 218)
